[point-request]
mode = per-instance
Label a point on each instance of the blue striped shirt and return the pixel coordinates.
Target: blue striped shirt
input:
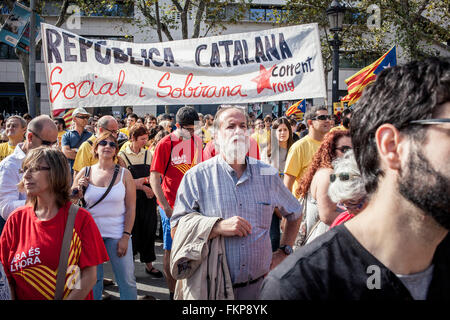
(213, 189)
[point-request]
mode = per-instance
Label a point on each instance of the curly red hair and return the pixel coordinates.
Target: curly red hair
(322, 159)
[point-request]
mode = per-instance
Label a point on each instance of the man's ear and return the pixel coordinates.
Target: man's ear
(28, 136)
(390, 145)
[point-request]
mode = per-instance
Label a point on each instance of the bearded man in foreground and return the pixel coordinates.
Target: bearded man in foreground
(243, 192)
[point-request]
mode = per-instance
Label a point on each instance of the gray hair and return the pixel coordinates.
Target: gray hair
(338, 190)
(22, 121)
(222, 109)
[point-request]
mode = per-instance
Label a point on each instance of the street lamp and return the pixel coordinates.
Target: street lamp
(335, 13)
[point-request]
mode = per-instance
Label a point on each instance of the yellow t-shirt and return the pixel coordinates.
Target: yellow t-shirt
(85, 157)
(262, 138)
(60, 134)
(207, 136)
(5, 150)
(125, 130)
(299, 157)
(341, 127)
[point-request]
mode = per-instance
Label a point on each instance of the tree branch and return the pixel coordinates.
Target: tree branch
(62, 14)
(198, 18)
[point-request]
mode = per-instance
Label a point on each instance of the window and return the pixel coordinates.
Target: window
(119, 9)
(357, 59)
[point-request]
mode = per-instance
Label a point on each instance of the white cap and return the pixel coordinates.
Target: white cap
(80, 110)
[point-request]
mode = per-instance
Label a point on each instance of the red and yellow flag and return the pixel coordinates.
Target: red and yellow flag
(357, 82)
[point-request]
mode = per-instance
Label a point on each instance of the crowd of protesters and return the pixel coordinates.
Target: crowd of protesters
(317, 201)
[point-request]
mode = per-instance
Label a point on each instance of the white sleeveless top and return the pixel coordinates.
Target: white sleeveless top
(108, 214)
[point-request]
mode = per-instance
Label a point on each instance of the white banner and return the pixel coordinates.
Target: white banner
(270, 65)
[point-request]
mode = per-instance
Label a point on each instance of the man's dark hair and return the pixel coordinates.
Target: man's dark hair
(187, 116)
(61, 121)
(311, 113)
(399, 95)
(133, 115)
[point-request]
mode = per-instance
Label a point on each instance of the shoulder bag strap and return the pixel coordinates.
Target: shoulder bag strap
(170, 158)
(129, 162)
(64, 255)
(86, 174)
(116, 171)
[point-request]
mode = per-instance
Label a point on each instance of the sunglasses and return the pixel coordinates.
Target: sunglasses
(344, 149)
(322, 117)
(44, 142)
(83, 117)
(103, 143)
(33, 169)
(344, 176)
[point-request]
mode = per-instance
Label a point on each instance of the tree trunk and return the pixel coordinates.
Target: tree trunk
(158, 21)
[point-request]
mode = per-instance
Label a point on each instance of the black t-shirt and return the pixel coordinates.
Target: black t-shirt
(335, 266)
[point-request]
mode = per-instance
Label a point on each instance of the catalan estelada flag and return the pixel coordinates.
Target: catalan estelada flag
(66, 114)
(357, 82)
(298, 109)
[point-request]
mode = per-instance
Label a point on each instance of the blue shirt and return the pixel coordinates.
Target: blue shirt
(213, 189)
(73, 139)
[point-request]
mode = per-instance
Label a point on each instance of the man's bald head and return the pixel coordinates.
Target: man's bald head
(41, 129)
(108, 123)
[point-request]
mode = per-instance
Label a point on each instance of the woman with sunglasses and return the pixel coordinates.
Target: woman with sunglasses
(347, 187)
(31, 242)
(320, 211)
(114, 213)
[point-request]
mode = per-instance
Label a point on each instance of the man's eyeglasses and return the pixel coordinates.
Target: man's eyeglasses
(190, 130)
(116, 132)
(431, 121)
(322, 117)
(33, 169)
(344, 176)
(344, 149)
(103, 143)
(44, 142)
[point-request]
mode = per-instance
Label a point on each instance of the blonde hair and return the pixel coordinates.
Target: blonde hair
(59, 174)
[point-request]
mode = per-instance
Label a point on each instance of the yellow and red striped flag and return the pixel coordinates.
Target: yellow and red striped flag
(357, 82)
(298, 109)
(66, 114)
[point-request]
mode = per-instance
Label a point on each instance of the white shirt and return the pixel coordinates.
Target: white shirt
(10, 197)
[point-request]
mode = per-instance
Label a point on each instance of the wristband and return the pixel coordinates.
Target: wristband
(127, 233)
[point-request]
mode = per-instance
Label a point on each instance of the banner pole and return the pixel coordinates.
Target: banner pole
(32, 62)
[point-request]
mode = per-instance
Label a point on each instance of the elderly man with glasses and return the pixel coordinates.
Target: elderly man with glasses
(41, 131)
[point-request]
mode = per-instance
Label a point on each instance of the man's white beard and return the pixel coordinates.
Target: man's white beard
(235, 149)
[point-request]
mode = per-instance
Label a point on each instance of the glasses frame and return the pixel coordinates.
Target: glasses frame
(431, 121)
(33, 169)
(44, 142)
(190, 130)
(112, 131)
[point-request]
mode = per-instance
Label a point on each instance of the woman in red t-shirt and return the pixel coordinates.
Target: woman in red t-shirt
(31, 241)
